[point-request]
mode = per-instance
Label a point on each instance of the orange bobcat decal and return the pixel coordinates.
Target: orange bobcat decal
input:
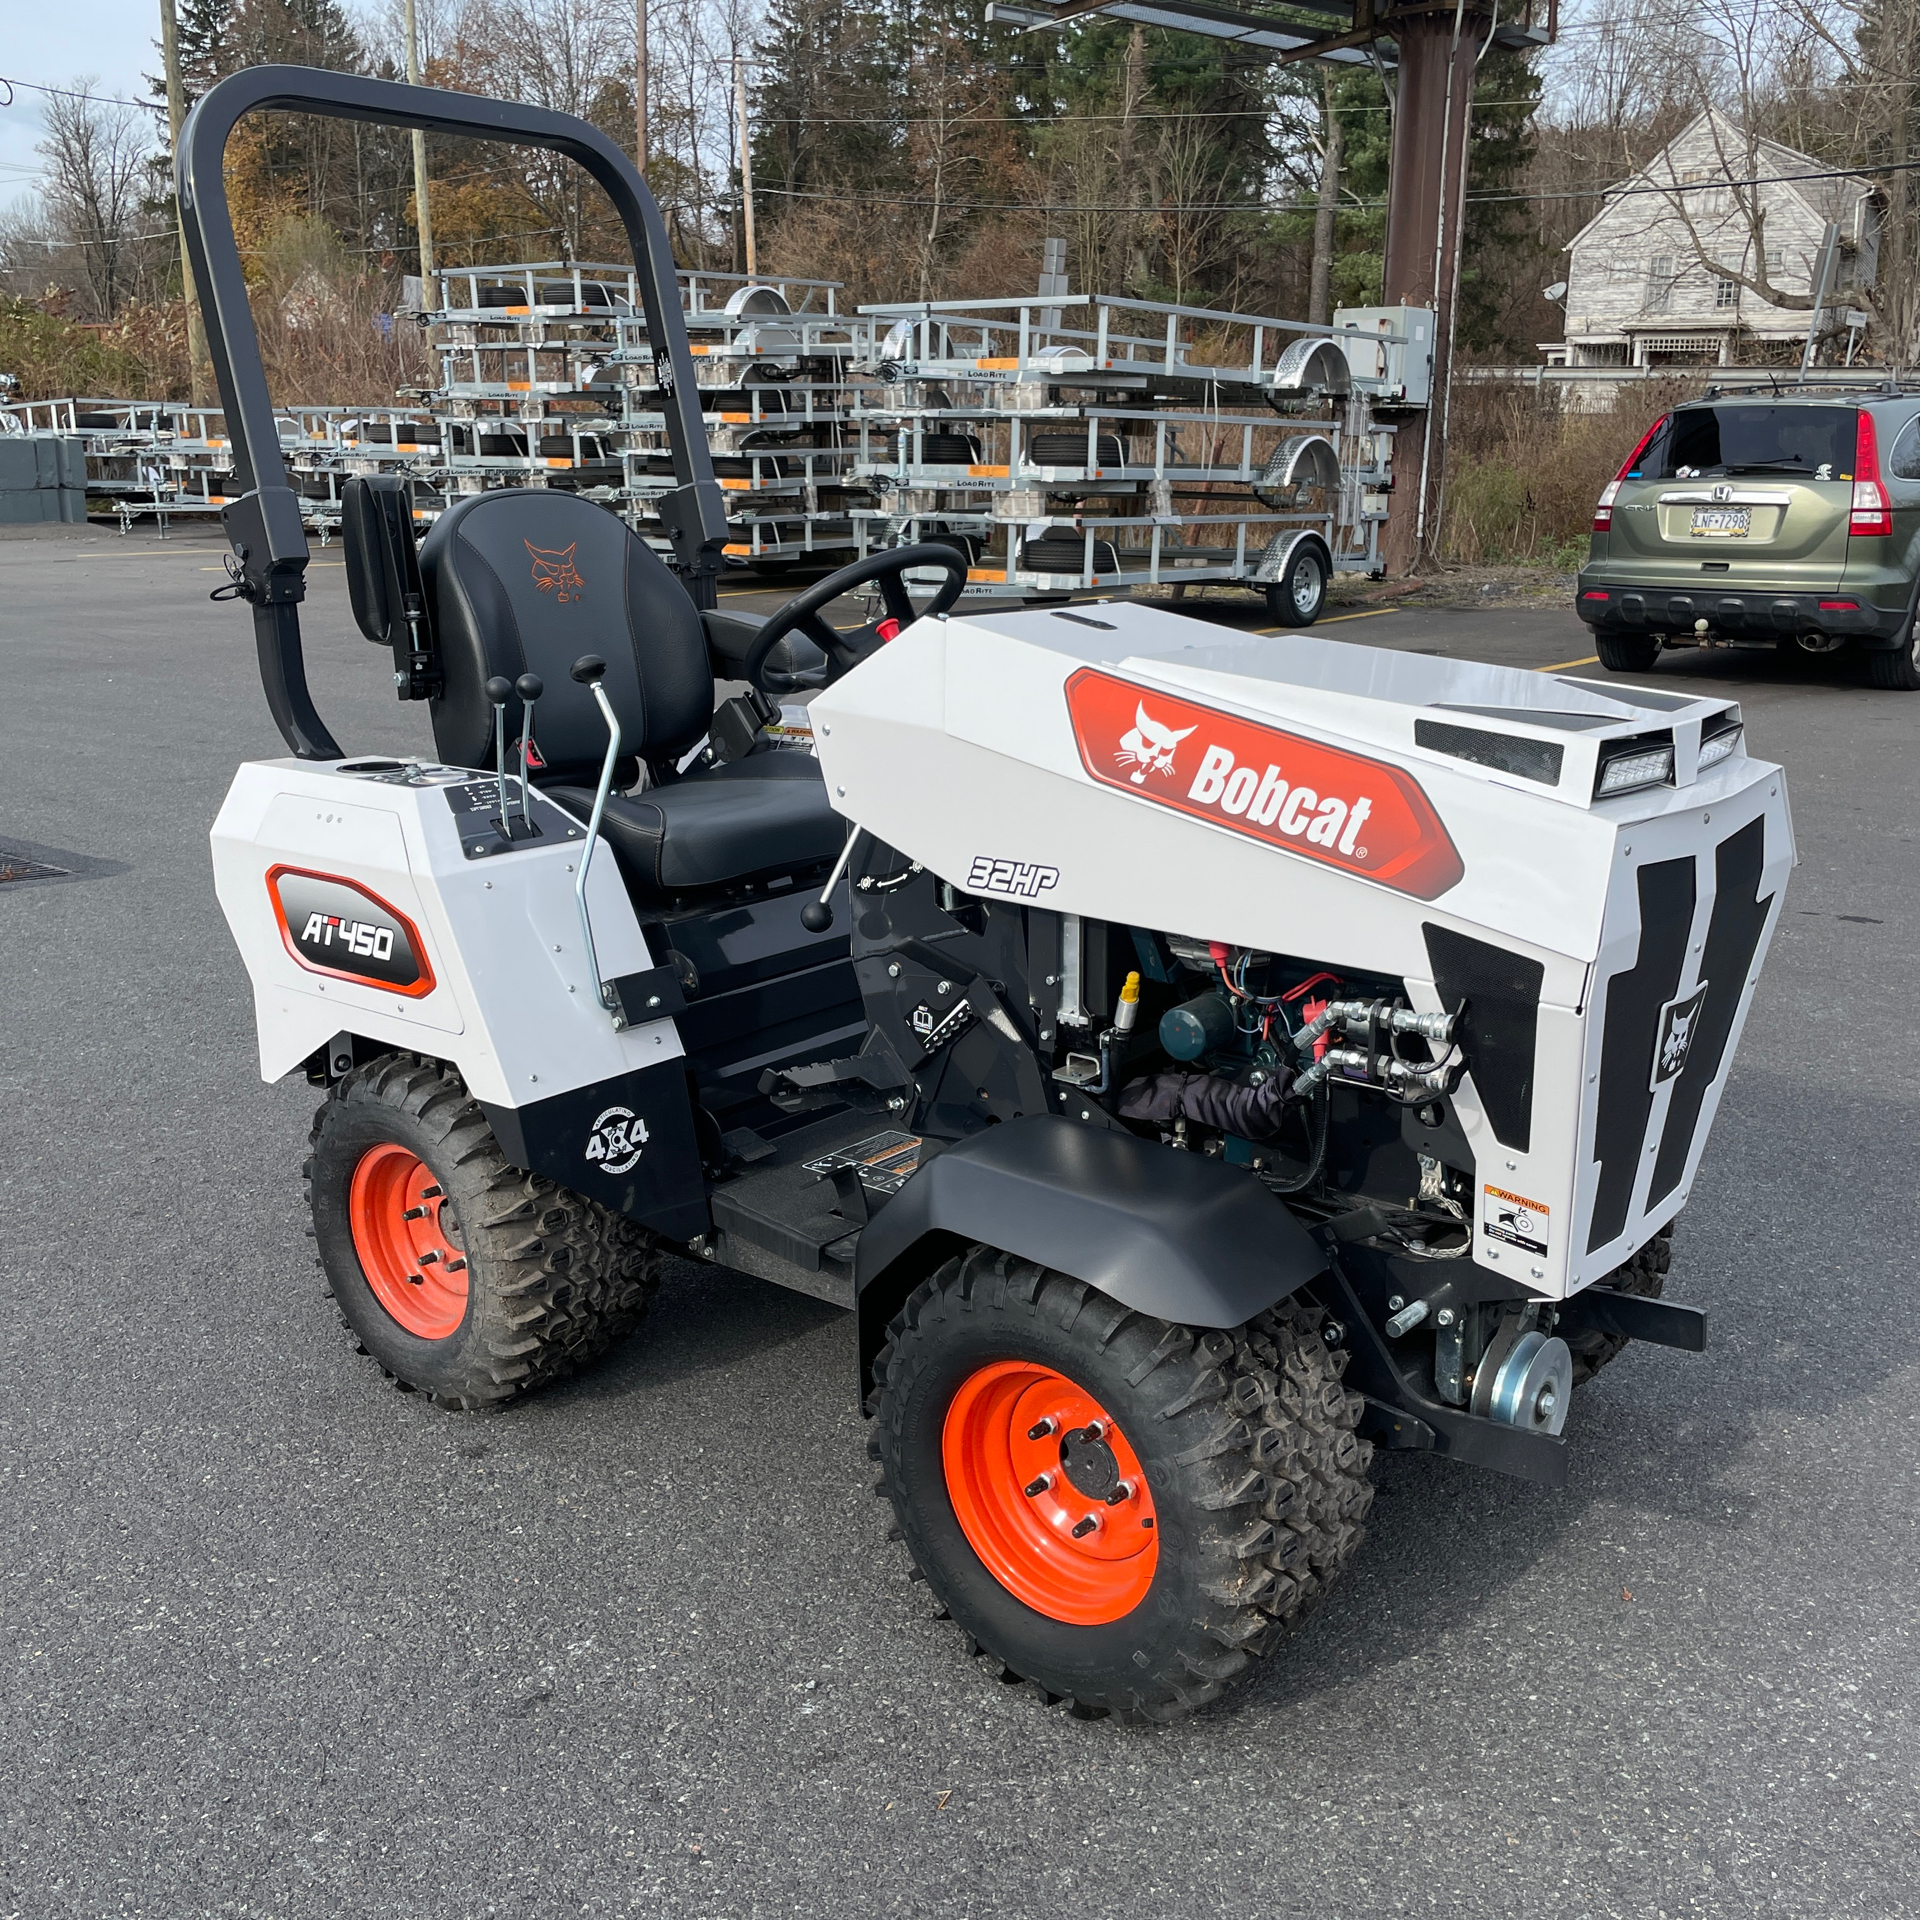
(555, 573)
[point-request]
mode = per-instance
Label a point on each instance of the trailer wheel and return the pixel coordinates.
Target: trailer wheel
(1627, 652)
(1299, 596)
(464, 1278)
(1119, 1511)
(1645, 1275)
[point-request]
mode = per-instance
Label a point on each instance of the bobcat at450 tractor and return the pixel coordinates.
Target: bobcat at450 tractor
(1198, 1059)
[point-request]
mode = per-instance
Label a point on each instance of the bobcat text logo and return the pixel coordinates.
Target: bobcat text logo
(555, 573)
(1306, 797)
(616, 1140)
(1017, 877)
(360, 937)
(1149, 747)
(1679, 1022)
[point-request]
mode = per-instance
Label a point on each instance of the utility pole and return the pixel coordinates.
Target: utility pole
(746, 159)
(640, 86)
(423, 218)
(201, 368)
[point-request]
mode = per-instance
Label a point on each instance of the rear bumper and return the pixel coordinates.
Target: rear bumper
(1759, 619)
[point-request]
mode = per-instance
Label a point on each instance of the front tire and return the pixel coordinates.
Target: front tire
(1644, 1276)
(464, 1278)
(1299, 596)
(1128, 1550)
(1627, 652)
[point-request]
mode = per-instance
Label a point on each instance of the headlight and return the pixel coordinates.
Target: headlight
(1719, 746)
(1632, 767)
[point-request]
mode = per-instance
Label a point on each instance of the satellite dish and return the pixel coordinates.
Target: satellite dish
(1557, 292)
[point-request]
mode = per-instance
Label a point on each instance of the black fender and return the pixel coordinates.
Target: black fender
(1173, 1234)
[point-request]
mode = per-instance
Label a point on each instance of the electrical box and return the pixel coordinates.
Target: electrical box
(1389, 350)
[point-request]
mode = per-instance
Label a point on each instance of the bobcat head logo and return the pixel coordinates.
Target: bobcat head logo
(555, 573)
(1679, 1022)
(1148, 748)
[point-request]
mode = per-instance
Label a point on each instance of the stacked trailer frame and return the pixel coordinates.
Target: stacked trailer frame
(1170, 445)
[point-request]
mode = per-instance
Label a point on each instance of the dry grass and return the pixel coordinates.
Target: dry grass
(1524, 467)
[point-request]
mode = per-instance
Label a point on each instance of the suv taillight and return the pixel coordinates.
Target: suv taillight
(1603, 513)
(1872, 511)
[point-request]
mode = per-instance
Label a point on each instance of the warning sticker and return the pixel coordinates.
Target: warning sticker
(1520, 1223)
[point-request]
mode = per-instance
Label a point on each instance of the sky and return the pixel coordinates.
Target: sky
(53, 41)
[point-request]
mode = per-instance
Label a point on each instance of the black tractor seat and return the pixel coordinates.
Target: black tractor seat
(751, 819)
(526, 581)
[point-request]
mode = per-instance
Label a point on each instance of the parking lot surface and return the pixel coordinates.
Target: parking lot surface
(278, 1640)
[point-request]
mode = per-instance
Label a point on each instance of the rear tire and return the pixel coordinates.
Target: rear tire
(1644, 1276)
(464, 1278)
(1627, 652)
(1897, 668)
(1299, 596)
(1238, 1447)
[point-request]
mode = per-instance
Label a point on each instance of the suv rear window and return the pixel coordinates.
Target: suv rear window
(1816, 442)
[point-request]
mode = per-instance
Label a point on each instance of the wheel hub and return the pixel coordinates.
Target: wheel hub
(1049, 1493)
(407, 1239)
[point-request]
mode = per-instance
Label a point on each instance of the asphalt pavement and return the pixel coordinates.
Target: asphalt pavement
(278, 1640)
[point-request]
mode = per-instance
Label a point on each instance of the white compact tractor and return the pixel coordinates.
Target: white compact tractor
(1197, 1058)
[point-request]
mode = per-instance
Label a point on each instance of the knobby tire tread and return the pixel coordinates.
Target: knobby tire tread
(555, 1278)
(1266, 1450)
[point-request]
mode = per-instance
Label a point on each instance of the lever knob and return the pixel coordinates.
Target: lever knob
(588, 668)
(816, 916)
(499, 690)
(529, 687)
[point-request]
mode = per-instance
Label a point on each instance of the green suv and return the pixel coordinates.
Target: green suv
(1764, 522)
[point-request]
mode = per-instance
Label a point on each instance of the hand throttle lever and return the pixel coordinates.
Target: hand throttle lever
(588, 671)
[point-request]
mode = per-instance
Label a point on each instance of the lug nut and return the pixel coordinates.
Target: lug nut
(1041, 1428)
(1121, 1494)
(1084, 1527)
(432, 1193)
(428, 1258)
(414, 1213)
(1036, 1487)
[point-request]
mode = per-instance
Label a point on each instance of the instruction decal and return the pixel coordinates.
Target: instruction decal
(1507, 1217)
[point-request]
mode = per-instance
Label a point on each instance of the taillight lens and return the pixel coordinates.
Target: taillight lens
(1872, 511)
(1603, 513)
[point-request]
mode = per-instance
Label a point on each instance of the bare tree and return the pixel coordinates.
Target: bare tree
(97, 158)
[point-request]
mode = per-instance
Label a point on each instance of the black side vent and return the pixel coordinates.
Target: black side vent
(1634, 1000)
(1501, 1028)
(1504, 752)
(1732, 936)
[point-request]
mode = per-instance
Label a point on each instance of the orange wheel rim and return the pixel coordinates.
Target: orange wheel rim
(408, 1241)
(1049, 1493)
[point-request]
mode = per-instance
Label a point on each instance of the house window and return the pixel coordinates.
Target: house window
(1660, 279)
(1726, 293)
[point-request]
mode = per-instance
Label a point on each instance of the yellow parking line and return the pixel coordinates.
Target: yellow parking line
(1370, 613)
(1592, 660)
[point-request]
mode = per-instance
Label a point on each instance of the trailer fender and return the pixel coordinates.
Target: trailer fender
(1172, 1234)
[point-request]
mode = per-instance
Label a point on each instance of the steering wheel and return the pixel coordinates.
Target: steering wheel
(845, 651)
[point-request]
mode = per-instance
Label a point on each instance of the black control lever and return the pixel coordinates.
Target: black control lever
(529, 687)
(499, 691)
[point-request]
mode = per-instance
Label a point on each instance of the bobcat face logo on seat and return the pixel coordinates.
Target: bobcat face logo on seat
(555, 573)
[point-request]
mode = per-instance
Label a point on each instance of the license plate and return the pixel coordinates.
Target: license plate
(1722, 523)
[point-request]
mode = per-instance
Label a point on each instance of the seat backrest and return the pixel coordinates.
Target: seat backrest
(526, 581)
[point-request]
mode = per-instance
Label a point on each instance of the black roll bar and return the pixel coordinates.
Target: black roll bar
(263, 523)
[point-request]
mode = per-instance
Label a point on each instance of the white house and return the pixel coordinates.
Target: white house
(1639, 293)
